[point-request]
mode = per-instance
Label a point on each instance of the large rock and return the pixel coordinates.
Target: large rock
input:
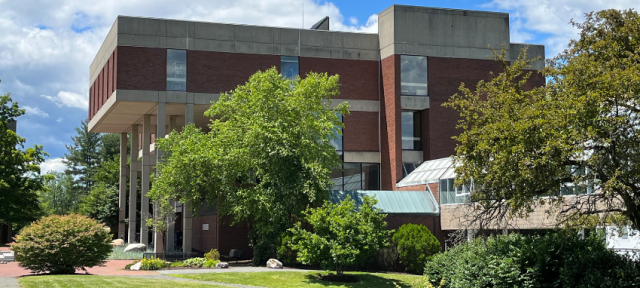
(136, 266)
(117, 242)
(222, 265)
(274, 264)
(136, 248)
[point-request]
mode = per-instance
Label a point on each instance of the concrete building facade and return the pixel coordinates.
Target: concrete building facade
(152, 76)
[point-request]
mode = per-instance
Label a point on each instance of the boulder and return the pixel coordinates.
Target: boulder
(274, 264)
(221, 265)
(136, 266)
(117, 242)
(136, 248)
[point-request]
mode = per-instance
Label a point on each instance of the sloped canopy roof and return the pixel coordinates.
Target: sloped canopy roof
(393, 202)
(429, 172)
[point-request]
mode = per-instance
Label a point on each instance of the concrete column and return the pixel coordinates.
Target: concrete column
(187, 229)
(171, 229)
(146, 173)
(133, 183)
(160, 132)
(122, 197)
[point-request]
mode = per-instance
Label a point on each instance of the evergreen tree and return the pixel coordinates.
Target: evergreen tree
(83, 158)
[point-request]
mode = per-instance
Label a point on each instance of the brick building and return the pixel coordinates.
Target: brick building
(152, 76)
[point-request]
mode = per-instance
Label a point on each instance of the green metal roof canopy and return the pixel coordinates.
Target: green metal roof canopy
(394, 202)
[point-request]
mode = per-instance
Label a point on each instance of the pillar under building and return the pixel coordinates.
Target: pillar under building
(122, 197)
(133, 184)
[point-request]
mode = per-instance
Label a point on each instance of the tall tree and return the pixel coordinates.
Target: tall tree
(521, 148)
(109, 146)
(83, 157)
(58, 195)
(20, 177)
(268, 155)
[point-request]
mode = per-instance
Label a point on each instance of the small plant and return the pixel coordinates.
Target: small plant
(415, 245)
(128, 267)
(177, 264)
(195, 262)
(62, 244)
(153, 264)
(212, 255)
(210, 263)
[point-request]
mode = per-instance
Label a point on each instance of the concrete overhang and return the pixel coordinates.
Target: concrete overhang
(414, 102)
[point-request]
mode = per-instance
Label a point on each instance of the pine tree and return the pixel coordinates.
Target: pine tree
(83, 158)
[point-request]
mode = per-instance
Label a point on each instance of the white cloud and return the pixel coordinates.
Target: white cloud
(551, 18)
(35, 111)
(69, 99)
(52, 164)
(59, 120)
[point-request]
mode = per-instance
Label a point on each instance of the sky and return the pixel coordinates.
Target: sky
(46, 46)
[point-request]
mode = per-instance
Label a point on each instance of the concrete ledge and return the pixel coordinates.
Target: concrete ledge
(410, 156)
(361, 157)
(99, 116)
(414, 102)
(358, 105)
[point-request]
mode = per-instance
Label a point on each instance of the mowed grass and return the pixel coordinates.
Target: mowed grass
(92, 281)
(304, 279)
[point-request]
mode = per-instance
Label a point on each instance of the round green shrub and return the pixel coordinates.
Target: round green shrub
(212, 255)
(415, 245)
(194, 262)
(62, 244)
(153, 264)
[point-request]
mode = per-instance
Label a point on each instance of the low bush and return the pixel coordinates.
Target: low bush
(422, 283)
(212, 255)
(210, 263)
(415, 244)
(194, 262)
(153, 264)
(560, 259)
(62, 244)
(177, 264)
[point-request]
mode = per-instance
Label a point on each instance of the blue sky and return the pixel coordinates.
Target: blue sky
(46, 46)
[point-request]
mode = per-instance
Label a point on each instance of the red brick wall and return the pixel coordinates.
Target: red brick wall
(204, 241)
(420, 187)
(233, 237)
(142, 68)
(104, 85)
(435, 189)
(391, 154)
(445, 76)
(360, 131)
(358, 78)
(215, 72)
(394, 221)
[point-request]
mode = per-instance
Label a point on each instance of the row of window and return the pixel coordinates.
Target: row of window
(177, 69)
(356, 176)
(413, 72)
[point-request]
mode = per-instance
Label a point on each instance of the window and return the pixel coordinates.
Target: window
(413, 75)
(356, 176)
(289, 67)
(450, 194)
(407, 168)
(176, 70)
(411, 130)
(337, 143)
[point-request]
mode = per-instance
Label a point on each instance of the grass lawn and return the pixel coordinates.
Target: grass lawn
(72, 281)
(304, 279)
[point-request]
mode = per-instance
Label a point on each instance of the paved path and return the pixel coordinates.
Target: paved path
(231, 270)
(9, 282)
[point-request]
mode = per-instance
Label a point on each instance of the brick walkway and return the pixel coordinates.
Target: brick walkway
(112, 267)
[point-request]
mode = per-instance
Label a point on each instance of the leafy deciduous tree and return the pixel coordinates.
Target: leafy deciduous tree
(268, 155)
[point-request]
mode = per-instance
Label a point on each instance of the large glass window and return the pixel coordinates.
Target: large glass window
(411, 130)
(356, 176)
(176, 70)
(289, 67)
(450, 194)
(337, 143)
(408, 168)
(413, 75)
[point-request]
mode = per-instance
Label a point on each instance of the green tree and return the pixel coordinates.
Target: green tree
(416, 245)
(83, 157)
(343, 236)
(101, 204)
(268, 155)
(109, 146)
(523, 147)
(20, 178)
(58, 196)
